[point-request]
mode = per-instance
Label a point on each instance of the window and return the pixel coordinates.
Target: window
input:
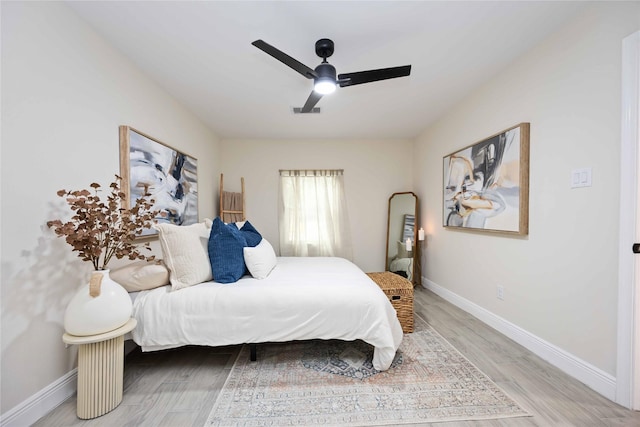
(313, 214)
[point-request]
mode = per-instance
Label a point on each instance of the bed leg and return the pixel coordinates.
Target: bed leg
(253, 352)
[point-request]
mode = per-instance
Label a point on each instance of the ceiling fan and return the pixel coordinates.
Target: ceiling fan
(324, 75)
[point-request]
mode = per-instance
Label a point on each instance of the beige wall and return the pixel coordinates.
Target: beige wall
(560, 281)
(64, 94)
(373, 170)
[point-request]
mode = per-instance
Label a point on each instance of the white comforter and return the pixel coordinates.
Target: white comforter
(302, 298)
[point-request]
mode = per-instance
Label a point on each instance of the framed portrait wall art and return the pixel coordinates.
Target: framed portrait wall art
(168, 176)
(486, 184)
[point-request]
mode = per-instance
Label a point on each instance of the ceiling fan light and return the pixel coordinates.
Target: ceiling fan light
(324, 86)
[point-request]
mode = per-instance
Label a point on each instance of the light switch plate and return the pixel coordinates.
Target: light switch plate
(581, 178)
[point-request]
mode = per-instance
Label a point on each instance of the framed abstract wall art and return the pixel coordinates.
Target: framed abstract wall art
(486, 185)
(168, 176)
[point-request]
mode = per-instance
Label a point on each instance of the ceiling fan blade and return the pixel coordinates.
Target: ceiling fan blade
(350, 79)
(311, 102)
(285, 59)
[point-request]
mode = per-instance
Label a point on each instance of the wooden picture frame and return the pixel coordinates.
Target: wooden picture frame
(486, 184)
(168, 176)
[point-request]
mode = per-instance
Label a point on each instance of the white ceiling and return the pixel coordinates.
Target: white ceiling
(201, 53)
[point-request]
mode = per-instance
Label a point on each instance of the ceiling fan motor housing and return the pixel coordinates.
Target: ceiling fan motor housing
(326, 71)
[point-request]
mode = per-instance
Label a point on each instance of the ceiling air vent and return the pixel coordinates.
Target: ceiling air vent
(298, 110)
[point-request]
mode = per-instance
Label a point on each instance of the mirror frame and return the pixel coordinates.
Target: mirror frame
(416, 252)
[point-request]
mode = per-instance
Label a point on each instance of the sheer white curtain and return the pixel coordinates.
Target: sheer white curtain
(313, 214)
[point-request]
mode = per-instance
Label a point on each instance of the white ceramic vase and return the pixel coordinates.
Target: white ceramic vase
(100, 306)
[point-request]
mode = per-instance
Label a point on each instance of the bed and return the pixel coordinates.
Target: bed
(402, 262)
(302, 298)
(402, 266)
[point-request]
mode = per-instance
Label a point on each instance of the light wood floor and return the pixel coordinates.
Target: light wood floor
(178, 387)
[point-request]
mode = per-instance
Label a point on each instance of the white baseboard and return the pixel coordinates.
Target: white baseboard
(41, 403)
(47, 399)
(584, 372)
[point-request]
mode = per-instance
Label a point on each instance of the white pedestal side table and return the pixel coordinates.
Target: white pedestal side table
(100, 370)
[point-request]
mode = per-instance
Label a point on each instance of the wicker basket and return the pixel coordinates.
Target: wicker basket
(400, 292)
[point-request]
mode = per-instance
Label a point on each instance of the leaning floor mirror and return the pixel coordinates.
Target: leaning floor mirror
(402, 255)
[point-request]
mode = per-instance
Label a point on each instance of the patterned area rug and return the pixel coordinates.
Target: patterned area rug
(332, 383)
(352, 359)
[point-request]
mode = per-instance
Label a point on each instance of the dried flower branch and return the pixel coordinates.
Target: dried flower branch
(99, 230)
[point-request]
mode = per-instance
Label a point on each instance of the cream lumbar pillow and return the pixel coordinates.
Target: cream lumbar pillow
(185, 253)
(261, 259)
(141, 275)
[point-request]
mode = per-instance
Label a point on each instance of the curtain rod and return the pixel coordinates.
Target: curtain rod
(304, 172)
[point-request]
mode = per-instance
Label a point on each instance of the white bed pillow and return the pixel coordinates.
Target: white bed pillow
(141, 275)
(402, 250)
(186, 254)
(260, 259)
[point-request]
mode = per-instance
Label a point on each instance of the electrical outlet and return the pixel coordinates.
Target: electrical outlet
(500, 292)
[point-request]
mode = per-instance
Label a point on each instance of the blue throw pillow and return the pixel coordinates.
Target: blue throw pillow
(250, 234)
(225, 252)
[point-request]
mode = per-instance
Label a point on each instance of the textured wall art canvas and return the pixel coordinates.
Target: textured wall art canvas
(486, 185)
(169, 176)
(408, 226)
